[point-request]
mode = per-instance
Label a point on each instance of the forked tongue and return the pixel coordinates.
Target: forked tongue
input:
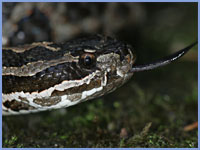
(164, 61)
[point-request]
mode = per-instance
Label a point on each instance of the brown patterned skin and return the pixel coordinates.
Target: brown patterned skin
(45, 74)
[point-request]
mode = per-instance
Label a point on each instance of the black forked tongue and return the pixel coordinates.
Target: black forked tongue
(163, 61)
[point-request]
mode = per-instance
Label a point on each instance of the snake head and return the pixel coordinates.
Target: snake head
(109, 59)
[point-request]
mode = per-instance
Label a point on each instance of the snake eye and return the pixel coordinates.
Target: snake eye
(88, 59)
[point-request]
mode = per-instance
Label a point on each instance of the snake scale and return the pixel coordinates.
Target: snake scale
(45, 75)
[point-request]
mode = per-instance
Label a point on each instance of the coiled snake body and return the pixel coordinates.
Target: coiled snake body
(45, 75)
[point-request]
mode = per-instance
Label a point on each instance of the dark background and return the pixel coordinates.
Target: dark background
(166, 97)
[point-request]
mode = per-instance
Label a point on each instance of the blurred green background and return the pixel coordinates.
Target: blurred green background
(150, 110)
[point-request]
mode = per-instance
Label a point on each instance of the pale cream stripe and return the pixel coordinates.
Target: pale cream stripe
(32, 68)
(23, 48)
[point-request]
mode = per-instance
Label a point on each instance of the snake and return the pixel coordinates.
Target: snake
(45, 75)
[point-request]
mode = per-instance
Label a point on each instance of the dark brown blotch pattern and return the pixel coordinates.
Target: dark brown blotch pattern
(17, 106)
(95, 83)
(47, 101)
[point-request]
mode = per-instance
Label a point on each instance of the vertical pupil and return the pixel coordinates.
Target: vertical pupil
(88, 60)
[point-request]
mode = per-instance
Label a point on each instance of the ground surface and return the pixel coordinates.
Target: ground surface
(150, 110)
